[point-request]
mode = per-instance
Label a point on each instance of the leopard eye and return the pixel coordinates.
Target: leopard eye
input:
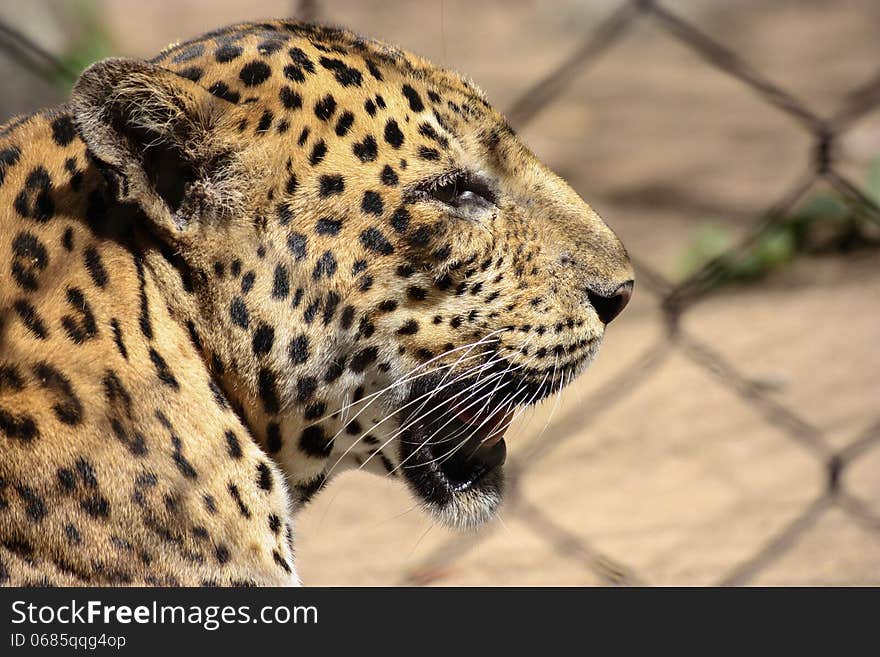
(447, 192)
(462, 191)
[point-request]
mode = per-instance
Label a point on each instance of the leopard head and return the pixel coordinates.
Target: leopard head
(382, 275)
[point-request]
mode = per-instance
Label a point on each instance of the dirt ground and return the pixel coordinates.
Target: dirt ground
(675, 479)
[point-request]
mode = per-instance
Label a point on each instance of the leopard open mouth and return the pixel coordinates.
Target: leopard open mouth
(452, 450)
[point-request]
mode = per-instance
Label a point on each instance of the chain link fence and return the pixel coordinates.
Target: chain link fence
(673, 299)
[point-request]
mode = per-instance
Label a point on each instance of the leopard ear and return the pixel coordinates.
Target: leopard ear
(154, 131)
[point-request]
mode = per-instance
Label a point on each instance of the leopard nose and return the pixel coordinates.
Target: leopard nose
(609, 306)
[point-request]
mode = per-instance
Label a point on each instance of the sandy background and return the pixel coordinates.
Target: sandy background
(671, 477)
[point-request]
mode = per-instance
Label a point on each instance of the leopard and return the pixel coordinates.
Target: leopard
(273, 253)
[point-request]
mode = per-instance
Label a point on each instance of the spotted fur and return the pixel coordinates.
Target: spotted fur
(214, 262)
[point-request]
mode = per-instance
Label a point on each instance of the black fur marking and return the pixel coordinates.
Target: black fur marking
(374, 70)
(311, 311)
(313, 441)
(136, 444)
(227, 52)
(29, 258)
(315, 411)
(366, 150)
(305, 388)
(10, 378)
(330, 304)
(411, 327)
(265, 122)
(343, 125)
(393, 135)
(327, 226)
(331, 184)
(8, 158)
(299, 350)
(247, 281)
(264, 336)
(326, 266)
(96, 506)
(415, 101)
(296, 242)
(67, 239)
(68, 409)
(35, 506)
(319, 150)
(268, 391)
(219, 397)
(239, 313)
(347, 317)
(96, 268)
(389, 176)
(145, 324)
(221, 552)
(334, 371)
(280, 283)
(400, 220)
(163, 371)
(31, 319)
(21, 427)
(374, 240)
(430, 154)
(270, 46)
(273, 438)
(255, 73)
(290, 98)
(281, 561)
(194, 335)
(221, 90)
(264, 476)
(117, 337)
(236, 495)
(85, 328)
(193, 73)
(301, 60)
(372, 203)
(232, 445)
(421, 236)
(345, 75)
(363, 358)
(294, 73)
(117, 396)
(182, 463)
(35, 200)
(325, 107)
(309, 489)
(63, 130)
(285, 214)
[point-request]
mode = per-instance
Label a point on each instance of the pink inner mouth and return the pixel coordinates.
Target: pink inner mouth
(489, 427)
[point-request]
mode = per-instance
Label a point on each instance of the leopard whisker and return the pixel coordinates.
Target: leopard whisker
(408, 424)
(391, 415)
(411, 376)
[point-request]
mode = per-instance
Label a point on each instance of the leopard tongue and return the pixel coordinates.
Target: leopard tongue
(490, 427)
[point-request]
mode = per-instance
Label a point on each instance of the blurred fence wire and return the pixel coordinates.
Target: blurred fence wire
(674, 299)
